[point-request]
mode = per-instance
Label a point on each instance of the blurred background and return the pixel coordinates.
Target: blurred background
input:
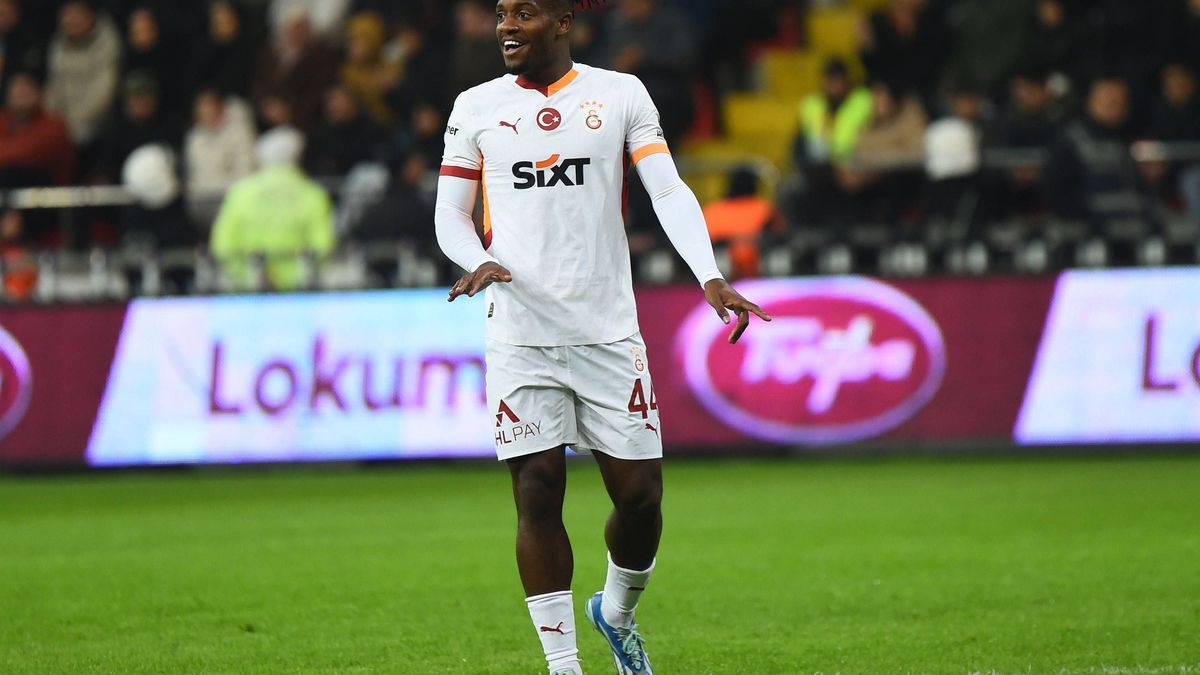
(903, 137)
(975, 222)
(950, 192)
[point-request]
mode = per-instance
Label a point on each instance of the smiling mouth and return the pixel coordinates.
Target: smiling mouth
(510, 47)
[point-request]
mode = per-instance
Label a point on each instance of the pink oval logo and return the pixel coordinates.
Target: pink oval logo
(844, 360)
(16, 382)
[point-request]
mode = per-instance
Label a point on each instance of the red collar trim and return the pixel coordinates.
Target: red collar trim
(550, 89)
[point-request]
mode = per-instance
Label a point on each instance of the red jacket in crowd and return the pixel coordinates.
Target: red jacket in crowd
(40, 143)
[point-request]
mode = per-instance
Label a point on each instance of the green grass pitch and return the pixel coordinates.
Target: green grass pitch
(913, 566)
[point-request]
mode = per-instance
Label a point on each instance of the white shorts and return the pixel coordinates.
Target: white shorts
(590, 397)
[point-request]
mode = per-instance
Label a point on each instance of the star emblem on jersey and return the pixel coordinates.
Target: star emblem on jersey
(592, 111)
(548, 119)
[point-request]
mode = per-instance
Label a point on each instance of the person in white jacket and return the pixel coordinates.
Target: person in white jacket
(83, 69)
(218, 152)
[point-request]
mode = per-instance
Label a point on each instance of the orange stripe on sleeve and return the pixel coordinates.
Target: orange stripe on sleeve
(647, 150)
(487, 219)
(460, 172)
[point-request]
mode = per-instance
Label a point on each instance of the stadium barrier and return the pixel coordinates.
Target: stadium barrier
(1087, 357)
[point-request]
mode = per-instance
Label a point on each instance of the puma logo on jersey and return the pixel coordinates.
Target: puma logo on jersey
(512, 125)
(549, 172)
(650, 427)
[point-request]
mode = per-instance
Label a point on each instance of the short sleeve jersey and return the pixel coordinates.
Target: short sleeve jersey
(552, 161)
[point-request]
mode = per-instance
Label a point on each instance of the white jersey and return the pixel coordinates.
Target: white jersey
(553, 161)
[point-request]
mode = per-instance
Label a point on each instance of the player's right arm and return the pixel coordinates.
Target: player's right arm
(462, 170)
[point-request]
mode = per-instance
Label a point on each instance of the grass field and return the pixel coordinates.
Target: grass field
(1080, 566)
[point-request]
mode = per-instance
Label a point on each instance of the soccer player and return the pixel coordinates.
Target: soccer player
(549, 144)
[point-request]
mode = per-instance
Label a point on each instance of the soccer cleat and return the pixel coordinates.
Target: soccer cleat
(627, 645)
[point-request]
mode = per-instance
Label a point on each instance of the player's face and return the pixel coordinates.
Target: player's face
(527, 30)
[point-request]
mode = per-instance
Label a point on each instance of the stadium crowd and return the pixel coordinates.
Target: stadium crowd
(1000, 109)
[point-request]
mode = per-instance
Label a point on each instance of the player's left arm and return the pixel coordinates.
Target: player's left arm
(683, 220)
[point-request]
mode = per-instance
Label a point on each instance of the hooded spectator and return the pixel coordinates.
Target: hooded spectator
(35, 146)
(278, 213)
(367, 73)
(84, 66)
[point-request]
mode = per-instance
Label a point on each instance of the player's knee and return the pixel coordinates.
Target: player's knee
(642, 498)
(539, 492)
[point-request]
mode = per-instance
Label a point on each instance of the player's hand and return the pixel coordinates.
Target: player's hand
(723, 298)
(483, 276)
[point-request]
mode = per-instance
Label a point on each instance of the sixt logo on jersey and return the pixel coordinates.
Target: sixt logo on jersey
(549, 172)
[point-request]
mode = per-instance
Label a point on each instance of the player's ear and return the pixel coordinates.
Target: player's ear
(565, 23)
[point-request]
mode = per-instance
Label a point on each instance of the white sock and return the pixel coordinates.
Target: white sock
(553, 617)
(622, 589)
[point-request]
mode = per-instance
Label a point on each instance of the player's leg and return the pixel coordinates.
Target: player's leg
(544, 557)
(632, 532)
(534, 411)
(617, 417)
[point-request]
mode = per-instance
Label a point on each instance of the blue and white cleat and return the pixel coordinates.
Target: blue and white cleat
(627, 645)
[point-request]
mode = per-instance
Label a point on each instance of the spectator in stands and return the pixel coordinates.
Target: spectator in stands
(402, 212)
(1177, 111)
(21, 47)
(1177, 119)
(905, 45)
(152, 53)
(139, 122)
(956, 191)
(475, 58)
(1024, 132)
(345, 137)
(368, 73)
(278, 213)
(1091, 176)
(883, 172)
(831, 121)
(224, 53)
(830, 124)
(740, 221)
(1057, 43)
(299, 66)
(427, 134)
(16, 259)
(35, 146)
(218, 151)
(84, 65)
(326, 16)
(1032, 118)
(658, 44)
(426, 69)
(274, 110)
(1184, 34)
